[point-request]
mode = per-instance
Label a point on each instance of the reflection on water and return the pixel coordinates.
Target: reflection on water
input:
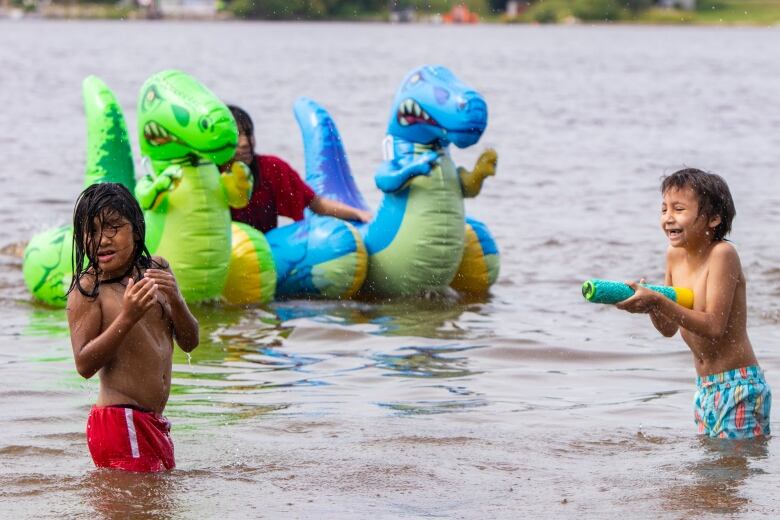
(46, 322)
(436, 317)
(119, 495)
(717, 477)
(427, 362)
(433, 407)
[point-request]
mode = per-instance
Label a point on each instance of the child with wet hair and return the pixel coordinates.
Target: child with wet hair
(732, 398)
(124, 310)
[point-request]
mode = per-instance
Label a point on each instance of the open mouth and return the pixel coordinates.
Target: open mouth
(411, 113)
(157, 135)
(106, 256)
(673, 233)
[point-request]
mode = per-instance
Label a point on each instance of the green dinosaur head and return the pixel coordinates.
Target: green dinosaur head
(179, 117)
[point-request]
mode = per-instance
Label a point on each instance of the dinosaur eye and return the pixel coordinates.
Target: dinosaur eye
(151, 99)
(441, 95)
(204, 123)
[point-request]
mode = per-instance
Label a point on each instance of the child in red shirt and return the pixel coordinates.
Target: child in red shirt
(278, 189)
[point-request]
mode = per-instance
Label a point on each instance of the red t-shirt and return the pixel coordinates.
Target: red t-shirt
(278, 190)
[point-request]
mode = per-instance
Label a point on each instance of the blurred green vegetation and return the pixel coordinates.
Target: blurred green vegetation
(346, 9)
(756, 12)
(719, 12)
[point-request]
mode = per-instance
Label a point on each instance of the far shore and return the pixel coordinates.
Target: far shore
(765, 18)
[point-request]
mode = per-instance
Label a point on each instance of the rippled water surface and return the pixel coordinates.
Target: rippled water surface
(530, 403)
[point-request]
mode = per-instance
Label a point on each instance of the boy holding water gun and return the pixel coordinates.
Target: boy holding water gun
(732, 399)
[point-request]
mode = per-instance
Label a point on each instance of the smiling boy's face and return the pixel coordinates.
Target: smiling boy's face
(681, 221)
(114, 241)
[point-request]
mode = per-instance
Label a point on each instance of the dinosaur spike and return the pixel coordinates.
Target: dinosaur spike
(109, 157)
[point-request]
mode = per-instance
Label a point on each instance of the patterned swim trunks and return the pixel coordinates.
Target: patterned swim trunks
(733, 404)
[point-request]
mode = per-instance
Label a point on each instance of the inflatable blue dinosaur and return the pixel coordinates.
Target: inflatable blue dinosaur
(420, 239)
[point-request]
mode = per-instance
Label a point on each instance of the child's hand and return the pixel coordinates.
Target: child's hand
(643, 301)
(139, 298)
(166, 283)
(363, 216)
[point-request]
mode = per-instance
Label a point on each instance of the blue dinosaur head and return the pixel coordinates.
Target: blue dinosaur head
(433, 105)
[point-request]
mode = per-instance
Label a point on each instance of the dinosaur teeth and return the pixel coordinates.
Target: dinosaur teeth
(156, 134)
(410, 112)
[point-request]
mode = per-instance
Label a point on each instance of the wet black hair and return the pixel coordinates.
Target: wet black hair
(243, 121)
(96, 208)
(712, 192)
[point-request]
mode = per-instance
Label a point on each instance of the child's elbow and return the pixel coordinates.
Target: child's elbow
(189, 342)
(669, 332)
(716, 329)
(716, 332)
(85, 370)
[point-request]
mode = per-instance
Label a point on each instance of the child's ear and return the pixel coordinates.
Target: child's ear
(714, 221)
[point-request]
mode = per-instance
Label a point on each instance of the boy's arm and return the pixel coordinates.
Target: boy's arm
(93, 349)
(185, 326)
(334, 208)
(660, 322)
(723, 275)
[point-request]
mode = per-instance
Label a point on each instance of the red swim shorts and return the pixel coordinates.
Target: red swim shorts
(124, 437)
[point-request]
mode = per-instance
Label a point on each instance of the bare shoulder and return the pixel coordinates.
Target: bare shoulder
(725, 252)
(86, 284)
(80, 304)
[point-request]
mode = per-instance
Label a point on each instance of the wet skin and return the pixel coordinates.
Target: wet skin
(716, 328)
(126, 333)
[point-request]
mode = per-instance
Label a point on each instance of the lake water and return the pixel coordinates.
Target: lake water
(530, 403)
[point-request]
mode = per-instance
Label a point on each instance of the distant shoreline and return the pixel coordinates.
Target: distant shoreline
(652, 17)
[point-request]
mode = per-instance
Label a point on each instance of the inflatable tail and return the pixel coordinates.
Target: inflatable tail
(109, 157)
(318, 257)
(251, 272)
(481, 262)
(327, 168)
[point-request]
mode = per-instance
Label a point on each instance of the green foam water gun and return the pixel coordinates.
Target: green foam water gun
(608, 291)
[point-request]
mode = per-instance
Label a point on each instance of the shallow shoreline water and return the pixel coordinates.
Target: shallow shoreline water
(531, 402)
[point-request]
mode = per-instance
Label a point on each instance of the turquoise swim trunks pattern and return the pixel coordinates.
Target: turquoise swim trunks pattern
(733, 404)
